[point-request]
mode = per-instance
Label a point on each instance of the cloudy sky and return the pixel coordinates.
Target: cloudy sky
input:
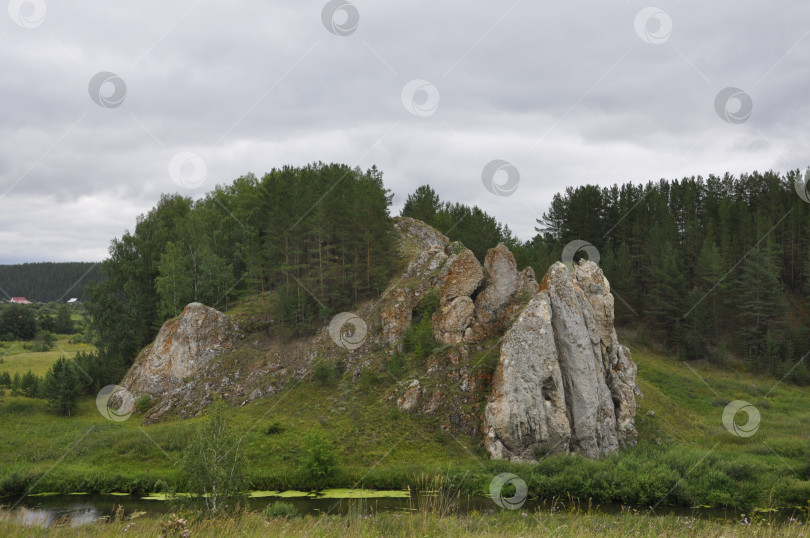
(106, 105)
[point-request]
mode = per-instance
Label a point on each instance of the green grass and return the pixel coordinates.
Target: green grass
(16, 359)
(501, 524)
(685, 456)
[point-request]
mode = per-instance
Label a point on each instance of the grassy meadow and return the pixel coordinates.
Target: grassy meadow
(685, 455)
(18, 360)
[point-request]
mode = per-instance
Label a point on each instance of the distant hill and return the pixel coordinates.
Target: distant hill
(47, 281)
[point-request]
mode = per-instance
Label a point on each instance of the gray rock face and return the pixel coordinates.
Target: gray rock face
(563, 382)
(410, 399)
(397, 313)
(461, 275)
(420, 233)
(183, 346)
(617, 362)
(527, 413)
(496, 305)
(459, 278)
(451, 321)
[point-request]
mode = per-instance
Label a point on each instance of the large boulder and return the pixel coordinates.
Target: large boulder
(460, 277)
(451, 321)
(420, 234)
(617, 362)
(562, 354)
(498, 303)
(526, 415)
(184, 346)
(593, 421)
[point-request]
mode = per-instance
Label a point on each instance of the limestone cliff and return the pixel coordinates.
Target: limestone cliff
(563, 382)
(531, 369)
(184, 346)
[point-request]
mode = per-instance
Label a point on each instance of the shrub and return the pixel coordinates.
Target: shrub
(323, 373)
(61, 386)
(274, 428)
(215, 467)
(340, 368)
(280, 509)
(29, 384)
(44, 341)
(143, 403)
(319, 462)
(429, 303)
(369, 378)
(395, 366)
(418, 339)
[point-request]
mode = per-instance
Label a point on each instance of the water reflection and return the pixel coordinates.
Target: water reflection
(75, 510)
(47, 517)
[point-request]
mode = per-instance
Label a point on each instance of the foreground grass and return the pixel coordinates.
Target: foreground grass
(685, 455)
(503, 524)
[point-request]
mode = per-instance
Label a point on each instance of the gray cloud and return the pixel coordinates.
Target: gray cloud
(569, 94)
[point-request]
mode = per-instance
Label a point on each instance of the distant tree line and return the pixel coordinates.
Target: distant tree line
(48, 281)
(34, 323)
(309, 241)
(711, 266)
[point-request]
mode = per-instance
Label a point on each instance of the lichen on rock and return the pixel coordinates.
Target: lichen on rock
(563, 382)
(184, 345)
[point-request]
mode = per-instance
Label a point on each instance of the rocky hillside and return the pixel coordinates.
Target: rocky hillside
(562, 383)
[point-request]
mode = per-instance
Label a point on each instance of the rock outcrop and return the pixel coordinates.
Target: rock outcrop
(460, 277)
(184, 346)
(497, 304)
(563, 382)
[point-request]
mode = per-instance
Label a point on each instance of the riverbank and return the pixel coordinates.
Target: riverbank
(501, 524)
(685, 455)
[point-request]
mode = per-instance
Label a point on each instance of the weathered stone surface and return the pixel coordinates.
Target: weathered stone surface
(459, 278)
(497, 305)
(528, 282)
(593, 422)
(183, 346)
(418, 232)
(526, 415)
(405, 294)
(450, 322)
(409, 400)
(461, 275)
(620, 368)
(566, 328)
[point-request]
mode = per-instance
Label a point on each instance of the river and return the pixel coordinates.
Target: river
(78, 509)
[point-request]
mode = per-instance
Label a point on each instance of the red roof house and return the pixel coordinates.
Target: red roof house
(20, 300)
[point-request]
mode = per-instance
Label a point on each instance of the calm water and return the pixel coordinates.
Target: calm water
(74, 510)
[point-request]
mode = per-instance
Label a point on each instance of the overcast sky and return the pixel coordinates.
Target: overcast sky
(106, 105)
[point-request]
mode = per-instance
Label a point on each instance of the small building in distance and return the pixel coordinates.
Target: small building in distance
(20, 300)
(72, 301)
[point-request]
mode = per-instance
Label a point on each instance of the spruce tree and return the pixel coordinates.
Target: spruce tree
(760, 312)
(61, 386)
